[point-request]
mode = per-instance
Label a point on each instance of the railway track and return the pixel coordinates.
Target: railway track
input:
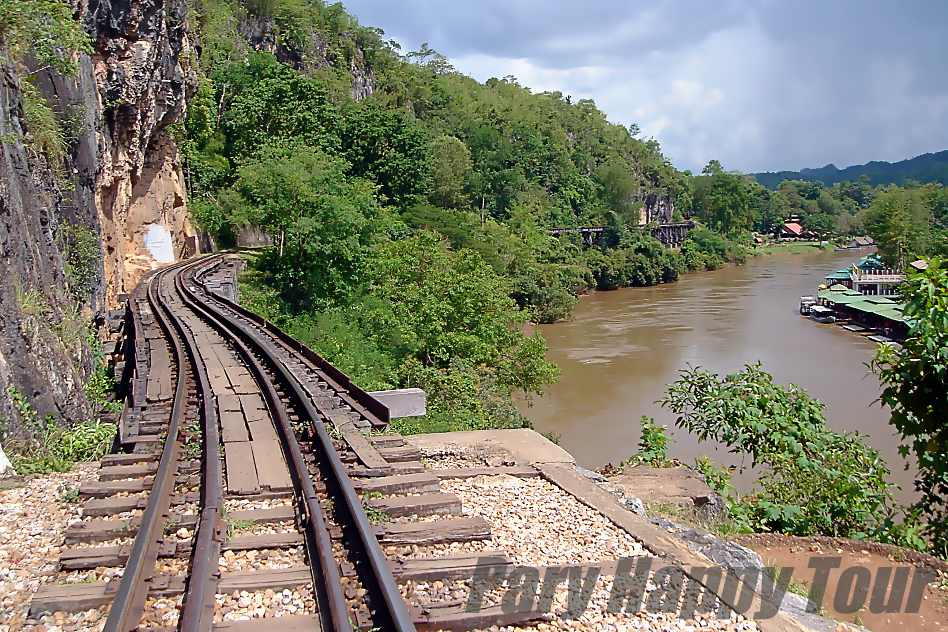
(242, 445)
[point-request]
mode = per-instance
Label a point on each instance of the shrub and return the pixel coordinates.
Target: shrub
(82, 254)
(816, 481)
(913, 380)
(57, 449)
(653, 445)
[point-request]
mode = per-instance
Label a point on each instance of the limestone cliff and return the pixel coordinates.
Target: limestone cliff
(141, 70)
(119, 180)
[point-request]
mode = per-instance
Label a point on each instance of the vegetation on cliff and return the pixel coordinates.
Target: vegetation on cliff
(409, 206)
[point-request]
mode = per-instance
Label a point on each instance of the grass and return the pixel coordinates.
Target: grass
(31, 302)
(791, 247)
(376, 516)
(57, 449)
(233, 526)
(51, 447)
(70, 495)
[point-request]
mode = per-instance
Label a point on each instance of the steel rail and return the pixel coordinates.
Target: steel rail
(197, 609)
(129, 601)
(350, 392)
(397, 617)
(327, 583)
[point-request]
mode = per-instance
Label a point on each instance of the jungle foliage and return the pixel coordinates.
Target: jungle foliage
(914, 382)
(410, 221)
(814, 481)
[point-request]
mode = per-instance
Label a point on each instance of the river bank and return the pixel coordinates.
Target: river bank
(621, 348)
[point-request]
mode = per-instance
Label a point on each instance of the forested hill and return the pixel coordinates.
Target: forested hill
(923, 169)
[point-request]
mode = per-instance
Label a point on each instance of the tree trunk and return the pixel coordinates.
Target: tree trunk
(5, 466)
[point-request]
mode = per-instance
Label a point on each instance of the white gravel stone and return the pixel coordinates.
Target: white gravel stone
(33, 521)
(537, 523)
(243, 605)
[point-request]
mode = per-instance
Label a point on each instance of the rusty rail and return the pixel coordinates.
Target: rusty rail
(129, 602)
(333, 607)
(393, 614)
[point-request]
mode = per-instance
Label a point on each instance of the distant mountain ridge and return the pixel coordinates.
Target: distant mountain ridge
(923, 168)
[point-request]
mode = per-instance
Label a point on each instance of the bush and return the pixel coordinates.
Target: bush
(57, 449)
(460, 397)
(816, 481)
(913, 379)
(653, 445)
(82, 255)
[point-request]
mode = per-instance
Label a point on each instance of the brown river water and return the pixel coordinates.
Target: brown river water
(621, 348)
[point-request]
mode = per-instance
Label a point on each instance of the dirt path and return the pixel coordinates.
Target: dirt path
(844, 582)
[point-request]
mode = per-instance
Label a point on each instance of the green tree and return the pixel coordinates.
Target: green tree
(322, 222)
(814, 481)
(450, 170)
(724, 202)
(900, 221)
(437, 306)
(389, 148)
(915, 388)
(268, 103)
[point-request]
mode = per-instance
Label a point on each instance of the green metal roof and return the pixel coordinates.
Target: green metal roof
(841, 298)
(839, 275)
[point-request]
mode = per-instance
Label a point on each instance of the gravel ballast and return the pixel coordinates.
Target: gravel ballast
(33, 522)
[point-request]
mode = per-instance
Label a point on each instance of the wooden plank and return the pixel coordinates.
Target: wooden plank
(364, 449)
(275, 579)
(127, 459)
(242, 383)
(220, 385)
(447, 568)
(112, 505)
(286, 623)
(74, 597)
(400, 483)
(272, 472)
(520, 471)
(252, 402)
(457, 618)
(263, 430)
(87, 557)
(436, 532)
(257, 415)
(263, 541)
(134, 470)
(283, 513)
(69, 597)
(101, 490)
(411, 467)
(228, 402)
(241, 471)
(233, 427)
(400, 454)
(100, 530)
(387, 441)
(421, 505)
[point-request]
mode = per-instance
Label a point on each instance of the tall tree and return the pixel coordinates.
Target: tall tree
(915, 388)
(900, 221)
(450, 171)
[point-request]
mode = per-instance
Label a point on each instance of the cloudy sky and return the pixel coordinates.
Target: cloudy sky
(758, 84)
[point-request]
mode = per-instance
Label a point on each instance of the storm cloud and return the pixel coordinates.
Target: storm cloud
(758, 85)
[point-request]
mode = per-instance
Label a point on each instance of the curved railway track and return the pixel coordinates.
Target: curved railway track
(241, 442)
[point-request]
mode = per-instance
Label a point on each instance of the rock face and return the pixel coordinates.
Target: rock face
(142, 71)
(119, 180)
(260, 34)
